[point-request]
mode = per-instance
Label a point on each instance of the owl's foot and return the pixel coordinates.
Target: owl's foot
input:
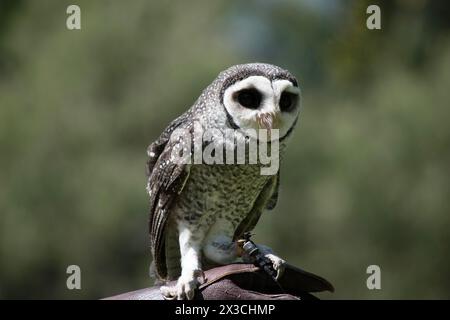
(185, 287)
(278, 264)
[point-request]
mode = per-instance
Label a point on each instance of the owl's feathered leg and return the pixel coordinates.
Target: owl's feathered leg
(191, 271)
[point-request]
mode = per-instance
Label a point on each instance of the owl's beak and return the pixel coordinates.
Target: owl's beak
(267, 120)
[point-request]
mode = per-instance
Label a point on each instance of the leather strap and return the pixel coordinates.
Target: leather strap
(242, 281)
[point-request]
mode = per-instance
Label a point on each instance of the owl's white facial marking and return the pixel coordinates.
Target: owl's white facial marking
(258, 103)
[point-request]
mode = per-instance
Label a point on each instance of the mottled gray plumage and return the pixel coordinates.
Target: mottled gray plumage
(200, 195)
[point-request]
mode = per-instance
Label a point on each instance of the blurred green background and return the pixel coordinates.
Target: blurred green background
(366, 177)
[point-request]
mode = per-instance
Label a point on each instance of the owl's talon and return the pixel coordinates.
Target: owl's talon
(278, 264)
(200, 276)
(168, 293)
(185, 287)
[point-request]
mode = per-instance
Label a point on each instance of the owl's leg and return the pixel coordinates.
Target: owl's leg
(191, 273)
(277, 262)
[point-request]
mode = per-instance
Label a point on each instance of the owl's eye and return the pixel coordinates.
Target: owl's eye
(287, 101)
(249, 98)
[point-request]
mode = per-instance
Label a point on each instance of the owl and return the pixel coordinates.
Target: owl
(199, 209)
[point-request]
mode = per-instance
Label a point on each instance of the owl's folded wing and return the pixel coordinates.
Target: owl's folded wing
(166, 179)
(267, 199)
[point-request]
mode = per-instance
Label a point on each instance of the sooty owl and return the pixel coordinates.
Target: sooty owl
(198, 209)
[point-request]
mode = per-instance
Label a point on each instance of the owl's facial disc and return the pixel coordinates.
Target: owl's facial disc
(259, 103)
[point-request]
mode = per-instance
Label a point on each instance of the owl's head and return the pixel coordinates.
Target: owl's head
(260, 96)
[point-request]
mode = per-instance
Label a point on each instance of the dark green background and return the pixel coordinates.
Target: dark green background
(366, 177)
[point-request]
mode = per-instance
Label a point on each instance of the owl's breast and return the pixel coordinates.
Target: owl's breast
(220, 191)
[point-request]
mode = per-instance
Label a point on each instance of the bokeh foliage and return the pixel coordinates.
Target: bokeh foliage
(365, 181)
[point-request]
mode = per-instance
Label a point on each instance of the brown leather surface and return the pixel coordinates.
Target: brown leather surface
(245, 282)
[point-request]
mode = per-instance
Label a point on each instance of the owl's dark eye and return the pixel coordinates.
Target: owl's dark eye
(287, 101)
(249, 98)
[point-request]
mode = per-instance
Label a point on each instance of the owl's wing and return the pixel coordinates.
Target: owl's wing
(272, 202)
(266, 199)
(166, 179)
